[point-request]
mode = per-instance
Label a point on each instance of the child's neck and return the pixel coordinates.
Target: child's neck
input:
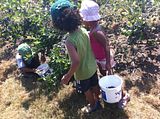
(93, 26)
(74, 31)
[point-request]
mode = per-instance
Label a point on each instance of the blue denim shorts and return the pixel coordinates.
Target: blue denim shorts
(85, 85)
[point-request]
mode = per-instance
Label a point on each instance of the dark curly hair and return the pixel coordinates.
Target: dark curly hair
(68, 21)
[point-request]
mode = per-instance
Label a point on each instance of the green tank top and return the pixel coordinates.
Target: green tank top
(87, 67)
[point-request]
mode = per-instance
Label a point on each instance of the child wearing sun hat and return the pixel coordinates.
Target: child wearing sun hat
(89, 12)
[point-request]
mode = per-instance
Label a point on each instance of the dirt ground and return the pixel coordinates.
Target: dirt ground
(143, 84)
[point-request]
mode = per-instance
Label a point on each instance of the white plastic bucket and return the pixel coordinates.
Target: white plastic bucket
(111, 88)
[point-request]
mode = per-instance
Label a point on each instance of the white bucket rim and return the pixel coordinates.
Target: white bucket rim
(114, 87)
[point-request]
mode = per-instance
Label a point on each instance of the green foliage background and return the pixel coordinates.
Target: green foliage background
(30, 21)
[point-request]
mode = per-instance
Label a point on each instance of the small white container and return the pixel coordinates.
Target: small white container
(111, 88)
(44, 70)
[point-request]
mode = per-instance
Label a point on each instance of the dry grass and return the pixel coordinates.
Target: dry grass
(16, 103)
(7, 68)
(11, 97)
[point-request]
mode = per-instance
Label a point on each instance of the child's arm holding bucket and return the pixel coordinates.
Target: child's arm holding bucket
(103, 40)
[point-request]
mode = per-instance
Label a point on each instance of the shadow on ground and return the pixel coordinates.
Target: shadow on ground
(71, 107)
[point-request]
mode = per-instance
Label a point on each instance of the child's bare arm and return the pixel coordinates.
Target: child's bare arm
(27, 70)
(75, 60)
(103, 40)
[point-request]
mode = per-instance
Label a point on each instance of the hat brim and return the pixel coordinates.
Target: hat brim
(90, 18)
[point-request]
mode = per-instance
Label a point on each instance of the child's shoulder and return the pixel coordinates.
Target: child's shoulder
(83, 29)
(96, 29)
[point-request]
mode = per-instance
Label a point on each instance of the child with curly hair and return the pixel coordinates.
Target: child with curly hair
(65, 17)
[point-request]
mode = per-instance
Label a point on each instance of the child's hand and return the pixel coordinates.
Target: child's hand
(65, 79)
(109, 72)
(43, 58)
(108, 67)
